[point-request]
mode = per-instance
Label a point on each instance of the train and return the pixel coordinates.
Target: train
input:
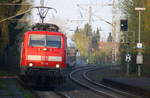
(44, 53)
(71, 54)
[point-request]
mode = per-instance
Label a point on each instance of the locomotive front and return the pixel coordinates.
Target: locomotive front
(43, 53)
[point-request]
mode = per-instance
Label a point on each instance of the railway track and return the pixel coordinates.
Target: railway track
(51, 94)
(79, 76)
(129, 95)
(80, 86)
(43, 92)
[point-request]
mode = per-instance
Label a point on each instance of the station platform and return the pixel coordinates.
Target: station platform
(140, 86)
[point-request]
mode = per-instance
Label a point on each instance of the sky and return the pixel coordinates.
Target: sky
(68, 11)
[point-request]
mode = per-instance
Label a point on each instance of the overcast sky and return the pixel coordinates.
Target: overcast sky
(68, 10)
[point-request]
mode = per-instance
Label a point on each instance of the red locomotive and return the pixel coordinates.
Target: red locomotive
(43, 51)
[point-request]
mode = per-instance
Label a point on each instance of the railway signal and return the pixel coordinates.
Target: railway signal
(123, 25)
(128, 60)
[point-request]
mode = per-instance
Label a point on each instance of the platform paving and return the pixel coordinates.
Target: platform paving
(137, 82)
(137, 85)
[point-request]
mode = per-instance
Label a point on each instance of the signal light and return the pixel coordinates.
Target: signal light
(123, 25)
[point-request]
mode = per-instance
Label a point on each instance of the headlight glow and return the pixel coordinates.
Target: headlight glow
(57, 65)
(30, 64)
(45, 49)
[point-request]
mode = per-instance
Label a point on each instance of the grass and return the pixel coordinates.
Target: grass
(8, 94)
(5, 83)
(106, 73)
(4, 73)
(25, 92)
(7, 73)
(114, 73)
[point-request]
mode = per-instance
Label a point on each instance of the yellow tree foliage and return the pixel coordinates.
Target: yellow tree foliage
(82, 42)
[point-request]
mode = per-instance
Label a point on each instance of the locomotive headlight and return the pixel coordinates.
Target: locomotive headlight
(30, 64)
(45, 49)
(57, 65)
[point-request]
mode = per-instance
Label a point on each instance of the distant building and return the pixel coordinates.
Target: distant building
(103, 44)
(112, 46)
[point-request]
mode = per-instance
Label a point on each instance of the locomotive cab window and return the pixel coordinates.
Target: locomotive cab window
(45, 41)
(53, 41)
(37, 40)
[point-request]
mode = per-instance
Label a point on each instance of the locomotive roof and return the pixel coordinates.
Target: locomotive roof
(45, 32)
(45, 27)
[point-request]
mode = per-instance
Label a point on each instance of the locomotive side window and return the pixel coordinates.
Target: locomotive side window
(43, 40)
(53, 41)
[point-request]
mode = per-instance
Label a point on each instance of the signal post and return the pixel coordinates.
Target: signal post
(128, 60)
(139, 57)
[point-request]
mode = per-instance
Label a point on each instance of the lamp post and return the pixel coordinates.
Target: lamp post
(139, 9)
(139, 59)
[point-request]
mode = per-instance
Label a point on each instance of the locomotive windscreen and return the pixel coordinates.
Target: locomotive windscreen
(45, 41)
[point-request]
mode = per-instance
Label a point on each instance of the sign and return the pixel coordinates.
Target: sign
(139, 58)
(78, 53)
(139, 45)
(128, 57)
